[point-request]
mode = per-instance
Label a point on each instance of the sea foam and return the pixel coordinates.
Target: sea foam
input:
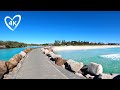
(111, 56)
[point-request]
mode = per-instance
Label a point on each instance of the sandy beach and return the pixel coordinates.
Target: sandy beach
(60, 48)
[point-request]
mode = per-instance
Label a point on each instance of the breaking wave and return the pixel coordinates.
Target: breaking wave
(111, 56)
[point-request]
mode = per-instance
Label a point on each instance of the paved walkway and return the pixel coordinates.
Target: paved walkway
(37, 66)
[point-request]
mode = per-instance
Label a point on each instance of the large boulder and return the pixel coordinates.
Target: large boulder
(46, 51)
(97, 76)
(75, 66)
(13, 62)
(95, 68)
(59, 61)
(18, 57)
(63, 66)
(116, 77)
(3, 69)
(22, 53)
(108, 76)
(42, 49)
(88, 76)
(68, 67)
(50, 54)
(27, 50)
(48, 48)
(84, 70)
(55, 56)
(12, 74)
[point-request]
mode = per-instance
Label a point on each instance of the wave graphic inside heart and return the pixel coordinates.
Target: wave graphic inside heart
(13, 22)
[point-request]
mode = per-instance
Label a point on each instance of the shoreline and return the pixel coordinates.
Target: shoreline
(87, 47)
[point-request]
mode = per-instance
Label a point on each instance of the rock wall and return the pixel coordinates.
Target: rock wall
(9, 68)
(91, 71)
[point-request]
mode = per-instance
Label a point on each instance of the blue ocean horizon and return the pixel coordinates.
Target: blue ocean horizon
(109, 58)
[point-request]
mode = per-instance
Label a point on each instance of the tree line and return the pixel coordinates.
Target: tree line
(74, 43)
(15, 44)
(12, 44)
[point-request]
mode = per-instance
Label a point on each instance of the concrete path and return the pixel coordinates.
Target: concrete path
(37, 66)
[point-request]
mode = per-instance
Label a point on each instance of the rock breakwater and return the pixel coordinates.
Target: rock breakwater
(91, 71)
(8, 69)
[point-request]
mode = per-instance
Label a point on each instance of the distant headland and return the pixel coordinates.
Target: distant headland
(16, 44)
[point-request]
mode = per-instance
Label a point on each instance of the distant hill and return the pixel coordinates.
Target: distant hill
(14, 44)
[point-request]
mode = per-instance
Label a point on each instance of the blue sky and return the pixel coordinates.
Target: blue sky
(47, 26)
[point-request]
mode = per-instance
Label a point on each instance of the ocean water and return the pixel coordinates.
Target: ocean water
(109, 58)
(6, 54)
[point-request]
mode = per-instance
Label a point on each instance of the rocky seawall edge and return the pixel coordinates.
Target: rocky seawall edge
(9, 69)
(91, 71)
